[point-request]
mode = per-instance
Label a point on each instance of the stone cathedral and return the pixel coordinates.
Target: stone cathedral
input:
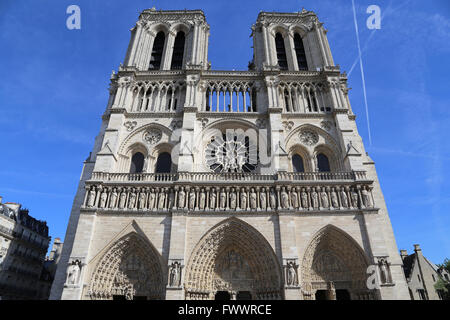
(230, 185)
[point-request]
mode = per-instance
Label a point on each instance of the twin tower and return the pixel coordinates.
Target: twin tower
(207, 184)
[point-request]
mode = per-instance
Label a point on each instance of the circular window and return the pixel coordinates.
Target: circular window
(231, 152)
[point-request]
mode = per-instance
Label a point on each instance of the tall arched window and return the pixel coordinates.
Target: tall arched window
(300, 52)
(178, 51)
(163, 163)
(323, 163)
(157, 51)
(297, 163)
(281, 51)
(137, 163)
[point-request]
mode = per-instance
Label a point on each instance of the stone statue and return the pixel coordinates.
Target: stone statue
(294, 198)
(253, 199)
(324, 199)
(291, 275)
(73, 272)
(175, 274)
(202, 199)
(284, 199)
(273, 199)
(141, 204)
(344, 199)
(223, 199)
(243, 199)
(304, 199)
(171, 199)
(91, 198)
(192, 200)
(334, 199)
(128, 292)
(212, 199)
(132, 201)
(262, 199)
(103, 198)
(383, 265)
(181, 198)
(122, 200)
(366, 198)
(354, 196)
(152, 199)
(113, 199)
(233, 199)
(162, 199)
(315, 199)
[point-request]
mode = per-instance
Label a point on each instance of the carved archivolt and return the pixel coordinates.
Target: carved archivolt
(131, 267)
(332, 256)
(233, 256)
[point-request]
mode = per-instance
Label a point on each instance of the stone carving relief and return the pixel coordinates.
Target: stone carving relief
(233, 250)
(308, 137)
(129, 268)
(152, 136)
(288, 125)
(130, 125)
(326, 125)
(332, 256)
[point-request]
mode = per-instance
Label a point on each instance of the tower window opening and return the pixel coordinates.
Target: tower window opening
(137, 163)
(281, 51)
(163, 163)
(157, 51)
(178, 51)
(323, 163)
(300, 52)
(297, 163)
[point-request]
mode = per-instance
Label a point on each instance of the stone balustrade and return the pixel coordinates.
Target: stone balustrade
(183, 191)
(227, 177)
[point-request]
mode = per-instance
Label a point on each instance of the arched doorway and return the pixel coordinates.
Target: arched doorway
(334, 267)
(233, 257)
(129, 270)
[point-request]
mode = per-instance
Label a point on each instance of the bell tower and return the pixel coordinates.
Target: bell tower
(290, 42)
(169, 40)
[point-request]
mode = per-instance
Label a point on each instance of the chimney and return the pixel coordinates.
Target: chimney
(417, 248)
(1, 198)
(403, 254)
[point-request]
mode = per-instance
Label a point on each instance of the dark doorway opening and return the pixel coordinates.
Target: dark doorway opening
(342, 294)
(222, 295)
(244, 295)
(321, 295)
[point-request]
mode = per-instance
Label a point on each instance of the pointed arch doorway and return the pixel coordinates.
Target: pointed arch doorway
(233, 261)
(129, 270)
(334, 267)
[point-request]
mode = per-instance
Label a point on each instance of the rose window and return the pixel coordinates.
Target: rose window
(231, 152)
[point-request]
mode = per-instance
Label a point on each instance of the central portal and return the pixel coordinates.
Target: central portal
(233, 261)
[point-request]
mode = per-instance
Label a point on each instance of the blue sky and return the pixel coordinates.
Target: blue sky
(54, 90)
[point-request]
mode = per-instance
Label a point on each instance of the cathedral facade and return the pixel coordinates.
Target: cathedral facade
(207, 184)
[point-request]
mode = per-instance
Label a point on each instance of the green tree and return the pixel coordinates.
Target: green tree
(442, 285)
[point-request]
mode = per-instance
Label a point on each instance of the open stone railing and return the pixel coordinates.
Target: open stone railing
(193, 192)
(227, 177)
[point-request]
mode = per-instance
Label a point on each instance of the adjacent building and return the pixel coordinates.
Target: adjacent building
(49, 269)
(220, 184)
(422, 275)
(24, 242)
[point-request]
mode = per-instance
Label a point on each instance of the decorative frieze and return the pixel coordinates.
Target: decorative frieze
(274, 195)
